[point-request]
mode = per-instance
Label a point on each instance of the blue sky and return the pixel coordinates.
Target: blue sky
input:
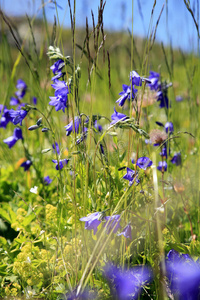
(179, 29)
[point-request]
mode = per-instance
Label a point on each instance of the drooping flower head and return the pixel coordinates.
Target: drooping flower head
(56, 69)
(112, 223)
(127, 93)
(169, 127)
(61, 163)
(22, 87)
(176, 159)
(71, 126)
(56, 148)
(126, 232)
(144, 162)
(17, 116)
(92, 221)
(184, 276)
(154, 77)
(162, 166)
(135, 78)
(131, 176)
(126, 284)
(5, 116)
(47, 180)
(116, 116)
(17, 135)
(61, 95)
(26, 165)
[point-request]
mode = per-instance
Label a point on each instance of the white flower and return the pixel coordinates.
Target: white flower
(34, 190)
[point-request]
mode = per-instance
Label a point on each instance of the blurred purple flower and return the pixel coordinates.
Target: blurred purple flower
(57, 148)
(184, 276)
(62, 163)
(14, 101)
(176, 159)
(5, 116)
(26, 165)
(144, 163)
(126, 284)
(97, 126)
(164, 151)
(34, 100)
(70, 127)
(126, 232)
(169, 127)
(154, 77)
(135, 78)
(92, 221)
(162, 166)
(112, 222)
(17, 116)
(56, 69)
(131, 176)
(179, 98)
(117, 117)
(22, 87)
(17, 135)
(162, 97)
(47, 180)
(126, 94)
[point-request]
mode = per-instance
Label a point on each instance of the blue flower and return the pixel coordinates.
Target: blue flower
(17, 135)
(34, 100)
(184, 276)
(144, 162)
(5, 116)
(17, 116)
(92, 221)
(22, 87)
(162, 166)
(169, 127)
(112, 222)
(135, 78)
(176, 159)
(70, 127)
(126, 94)
(56, 69)
(47, 180)
(57, 148)
(127, 284)
(62, 163)
(179, 98)
(61, 95)
(154, 77)
(14, 101)
(131, 176)
(97, 126)
(117, 117)
(126, 232)
(165, 148)
(26, 165)
(162, 97)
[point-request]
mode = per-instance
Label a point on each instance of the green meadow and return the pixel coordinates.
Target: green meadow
(97, 203)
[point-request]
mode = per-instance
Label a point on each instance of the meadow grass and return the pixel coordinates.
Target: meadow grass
(61, 239)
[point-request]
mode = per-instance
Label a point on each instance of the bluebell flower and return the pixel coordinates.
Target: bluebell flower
(176, 159)
(131, 176)
(14, 101)
(135, 78)
(5, 116)
(61, 95)
(183, 274)
(47, 180)
(26, 165)
(126, 232)
(56, 69)
(162, 166)
(70, 127)
(154, 77)
(126, 94)
(22, 87)
(92, 221)
(112, 222)
(17, 135)
(179, 98)
(165, 150)
(162, 97)
(17, 116)
(34, 100)
(62, 163)
(97, 126)
(169, 127)
(56, 149)
(117, 117)
(144, 162)
(127, 284)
